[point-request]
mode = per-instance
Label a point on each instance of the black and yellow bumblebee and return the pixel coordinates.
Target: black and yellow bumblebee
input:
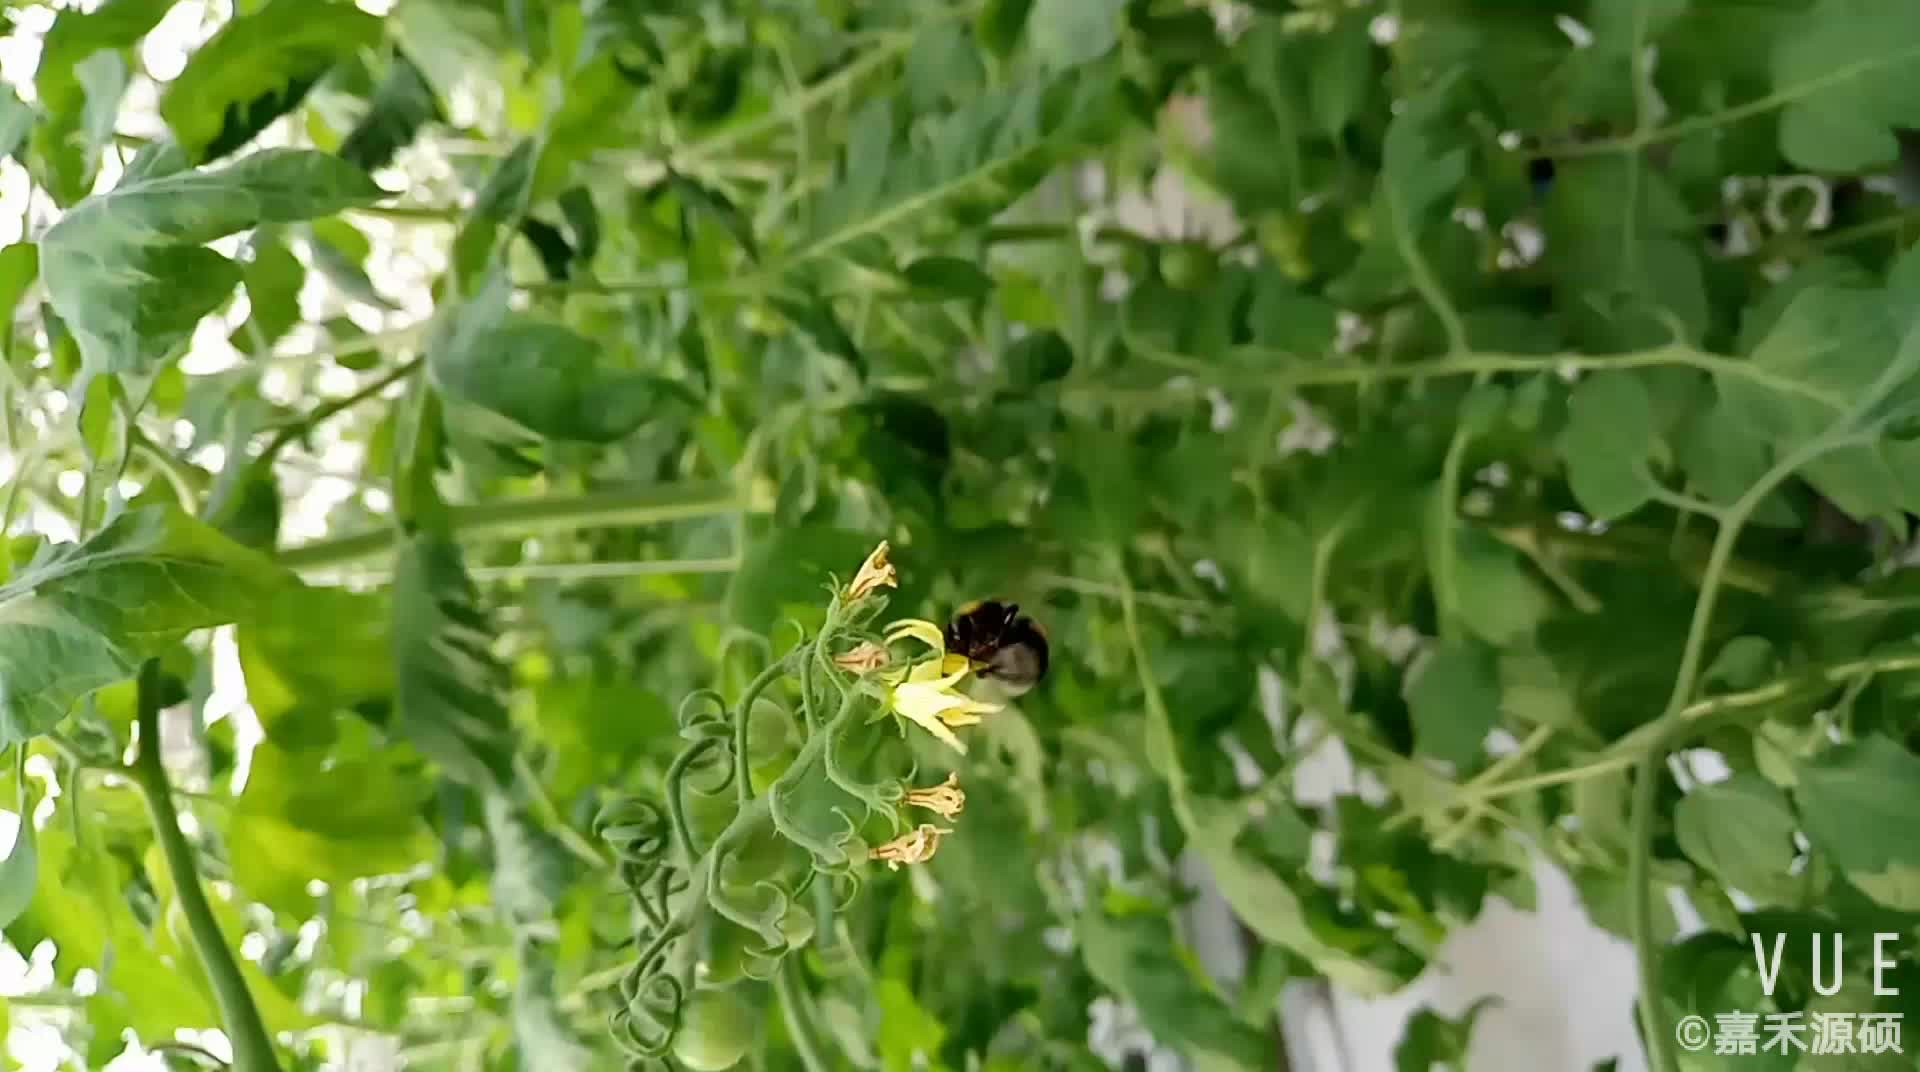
(1009, 647)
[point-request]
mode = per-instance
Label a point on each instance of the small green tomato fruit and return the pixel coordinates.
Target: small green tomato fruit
(717, 1027)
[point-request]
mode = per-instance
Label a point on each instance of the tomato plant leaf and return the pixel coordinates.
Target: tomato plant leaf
(20, 870)
(1000, 25)
(1741, 830)
(544, 376)
(82, 616)
(129, 272)
(1855, 800)
(77, 99)
(1434, 1041)
(1853, 71)
(1455, 698)
(1133, 956)
(16, 121)
(448, 685)
(1037, 358)
(19, 267)
(402, 105)
(258, 67)
(1608, 445)
(941, 278)
(359, 816)
(1067, 33)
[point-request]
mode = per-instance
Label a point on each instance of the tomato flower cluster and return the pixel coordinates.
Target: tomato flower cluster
(717, 867)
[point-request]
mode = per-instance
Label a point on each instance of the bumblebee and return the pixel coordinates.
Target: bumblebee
(1010, 647)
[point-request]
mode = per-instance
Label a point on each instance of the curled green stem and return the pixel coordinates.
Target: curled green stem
(676, 806)
(742, 719)
(252, 1046)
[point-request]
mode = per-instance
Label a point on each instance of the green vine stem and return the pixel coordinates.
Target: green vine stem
(676, 804)
(517, 517)
(1674, 725)
(252, 1046)
(743, 719)
(798, 1017)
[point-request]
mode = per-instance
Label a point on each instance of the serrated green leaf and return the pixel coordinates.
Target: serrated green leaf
(449, 689)
(77, 34)
(999, 140)
(1626, 260)
(1067, 33)
(1828, 349)
(787, 569)
(1722, 458)
(295, 681)
(1741, 830)
(1455, 700)
(1259, 114)
(1133, 957)
(1433, 1041)
(402, 104)
(128, 271)
(1850, 71)
(909, 1035)
(258, 67)
(1498, 599)
(1608, 444)
(529, 872)
(355, 815)
(272, 279)
(20, 871)
(1037, 358)
(1742, 663)
(1857, 802)
(1423, 164)
(544, 376)
(74, 102)
(19, 267)
(941, 278)
(1341, 74)
(1000, 25)
(1286, 318)
(83, 616)
(16, 121)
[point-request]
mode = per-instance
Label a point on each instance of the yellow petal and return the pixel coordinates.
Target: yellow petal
(935, 674)
(925, 698)
(967, 712)
(919, 629)
(930, 722)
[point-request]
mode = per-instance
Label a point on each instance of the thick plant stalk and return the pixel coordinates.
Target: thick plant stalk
(252, 1046)
(516, 517)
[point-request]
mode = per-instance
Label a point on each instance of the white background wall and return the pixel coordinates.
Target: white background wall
(1564, 994)
(1564, 988)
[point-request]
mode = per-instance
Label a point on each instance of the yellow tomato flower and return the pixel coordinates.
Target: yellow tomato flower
(919, 629)
(875, 573)
(915, 847)
(928, 696)
(927, 691)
